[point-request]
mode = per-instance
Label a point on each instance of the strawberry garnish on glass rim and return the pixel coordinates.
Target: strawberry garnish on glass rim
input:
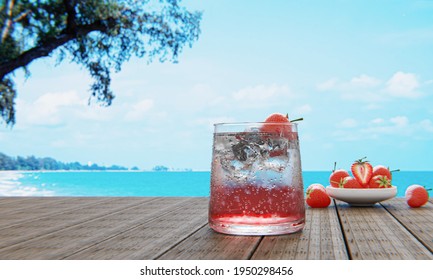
(272, 124)
(362, 171)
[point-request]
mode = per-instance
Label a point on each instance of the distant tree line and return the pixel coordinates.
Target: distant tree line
(160, 168)
(47, 163)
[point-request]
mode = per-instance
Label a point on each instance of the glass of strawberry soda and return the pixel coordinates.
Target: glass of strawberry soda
(256, 179)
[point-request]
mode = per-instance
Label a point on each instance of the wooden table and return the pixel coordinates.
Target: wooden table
(176, 228)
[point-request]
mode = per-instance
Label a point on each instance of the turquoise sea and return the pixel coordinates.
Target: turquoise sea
(148, 183)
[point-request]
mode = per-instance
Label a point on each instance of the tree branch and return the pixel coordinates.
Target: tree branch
(46, 48)
(8, 22)
(22, 16)
(70, 10)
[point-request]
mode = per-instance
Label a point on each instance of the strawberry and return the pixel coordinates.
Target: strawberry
(416, 196)
(379, 181)
(337, 177)
(350, 183)
(317, 196)
(270, 127)
(362, 171)
(382, 170)
(316, 185)
(278, 118)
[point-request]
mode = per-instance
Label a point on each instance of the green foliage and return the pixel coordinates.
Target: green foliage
(7, 97)
(100, 35)
(160, 168)
(47, 163)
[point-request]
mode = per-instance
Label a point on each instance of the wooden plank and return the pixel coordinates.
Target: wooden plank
(150, 239)
(40, 207)
(16, 204)
(372, 233)
(4, 200)
(419, 221)
(321, 238)
(309, 244)
(176, 228)
(62, 243)
(207, 244)
(17, 233)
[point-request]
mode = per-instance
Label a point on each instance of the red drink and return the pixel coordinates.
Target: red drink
(256, 205)
(256, 184)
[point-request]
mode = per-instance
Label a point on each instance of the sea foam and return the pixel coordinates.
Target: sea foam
(11, 186)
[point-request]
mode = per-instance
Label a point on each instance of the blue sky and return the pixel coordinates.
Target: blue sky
(359, 72)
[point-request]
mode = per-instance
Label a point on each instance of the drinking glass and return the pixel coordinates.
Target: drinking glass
(256, 179)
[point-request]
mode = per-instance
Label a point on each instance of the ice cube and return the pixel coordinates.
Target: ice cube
(278, 164)
(245, 150)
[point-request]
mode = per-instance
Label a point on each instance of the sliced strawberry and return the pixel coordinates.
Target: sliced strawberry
(317, 197)
(362, 171)
(416, 196)
(379, 181)
(350, 183)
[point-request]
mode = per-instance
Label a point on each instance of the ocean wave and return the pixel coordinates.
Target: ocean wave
(10, 185)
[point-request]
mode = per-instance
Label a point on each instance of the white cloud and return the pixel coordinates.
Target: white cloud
(377, 121)
(373, 106)
(360, 88)
(362, 81)
(261, 93)
(59, 144)
(303, 110)
(398, 125)
(348, 123)
(365, 81)
(50, 108)
(352, 130)
(426, 125)
(96, 113)
(201, 96)
(209, 122)
(408, 37)
(403, 85)
(328, 85)
(138, 110)
(373, 91)
(400, 121)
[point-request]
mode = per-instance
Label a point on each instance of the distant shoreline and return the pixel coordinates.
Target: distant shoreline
(103, 171)
(153, 171)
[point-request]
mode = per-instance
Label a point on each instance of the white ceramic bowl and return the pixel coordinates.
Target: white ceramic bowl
(361, 197)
